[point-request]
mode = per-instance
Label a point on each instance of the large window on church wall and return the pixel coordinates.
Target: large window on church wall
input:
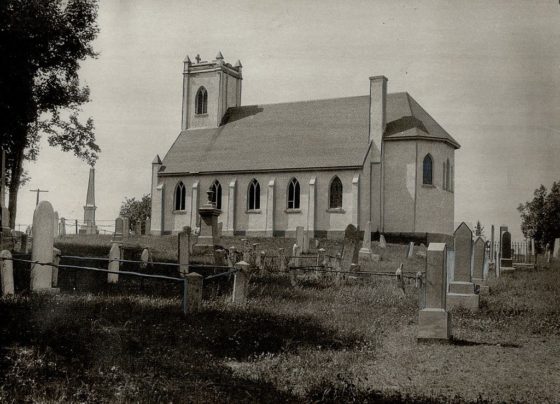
(444, 180)
(216, 188)
(201, 101)
(448, 175)
(335, 193)
(180, 196)
(427, 170)
(452, 180)
(293, 194)
(254, 195)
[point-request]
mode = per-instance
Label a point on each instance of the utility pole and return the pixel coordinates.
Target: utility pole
(37, 190)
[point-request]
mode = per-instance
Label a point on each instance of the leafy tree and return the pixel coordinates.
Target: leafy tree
(540, 217)
(42, 43)
(479, 229)
(136, 210)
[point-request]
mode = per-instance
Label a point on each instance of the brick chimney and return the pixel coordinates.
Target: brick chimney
(377, 113)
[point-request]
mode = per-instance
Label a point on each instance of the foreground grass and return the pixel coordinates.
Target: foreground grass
(314, 342)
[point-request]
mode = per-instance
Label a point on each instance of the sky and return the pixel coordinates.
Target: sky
(487, 71)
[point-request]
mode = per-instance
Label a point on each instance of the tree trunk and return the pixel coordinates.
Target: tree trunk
(15, 180)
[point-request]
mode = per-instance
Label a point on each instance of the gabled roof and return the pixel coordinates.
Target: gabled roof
(316, 134)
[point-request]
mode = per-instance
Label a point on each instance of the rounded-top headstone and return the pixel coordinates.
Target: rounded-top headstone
(463, 253)
(506, 245)
(43, 242)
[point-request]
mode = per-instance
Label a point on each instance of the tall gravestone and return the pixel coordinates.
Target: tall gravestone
(299, 236)
(126, 227)
(62, 231)
(461, 289)
(208, 237)
(492, 244)
(556, 250)
(434, 322)
(43, 245)
(119, 225)
(148, 226)
(479, 250)
(506, 262)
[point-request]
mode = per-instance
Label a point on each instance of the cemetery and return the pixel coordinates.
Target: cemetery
(308, 233)
(289, 319)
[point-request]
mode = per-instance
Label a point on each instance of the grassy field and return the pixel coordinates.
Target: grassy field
(315, 342)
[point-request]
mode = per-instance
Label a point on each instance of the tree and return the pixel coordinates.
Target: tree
(42, 43)
(479, 229)
(137, 211)
(540, 217)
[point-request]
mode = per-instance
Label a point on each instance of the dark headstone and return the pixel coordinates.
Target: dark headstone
(506, 245)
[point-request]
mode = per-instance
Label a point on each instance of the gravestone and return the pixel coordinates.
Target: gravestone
(461, 289)
(4, 212)
(126, 227)
(382, 242)
(305, 249)
(351, 247)
(62, 231)
(114, 264)
(410, 251)
(241, 282)
(208, 235)
(366, 257)
(43, 245)
(556, 250)
(434, 322)
(138, 228)
(478, 265)
(194, 292)
(55, 227)
(299, 236)
(506, 262)
(184, 250)
(366, 242)
(145, 257)
(119, 228)
(6, 273)
(148, 226)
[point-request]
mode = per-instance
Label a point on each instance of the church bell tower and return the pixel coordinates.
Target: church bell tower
(209, 89)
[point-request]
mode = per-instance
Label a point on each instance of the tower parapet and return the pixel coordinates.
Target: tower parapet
(209, 89)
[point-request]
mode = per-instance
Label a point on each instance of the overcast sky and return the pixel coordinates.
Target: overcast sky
(487, 71)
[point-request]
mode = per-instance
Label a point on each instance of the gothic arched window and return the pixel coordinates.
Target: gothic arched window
(254, 195)
(293, 194)
(335, 193)
(201, 101)
(444, 180)
(180, 196)
(216, 187)
(427, 170)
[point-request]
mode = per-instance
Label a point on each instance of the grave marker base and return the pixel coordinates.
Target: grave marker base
(434, 324)
(468, 301)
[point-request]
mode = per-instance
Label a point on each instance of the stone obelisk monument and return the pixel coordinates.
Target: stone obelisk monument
(89, 226)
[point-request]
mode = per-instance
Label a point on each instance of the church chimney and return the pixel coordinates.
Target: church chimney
(377, 113)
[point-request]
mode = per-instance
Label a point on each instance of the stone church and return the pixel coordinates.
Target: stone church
(320, 164)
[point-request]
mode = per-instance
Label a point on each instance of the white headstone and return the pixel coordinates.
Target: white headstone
(43, 242)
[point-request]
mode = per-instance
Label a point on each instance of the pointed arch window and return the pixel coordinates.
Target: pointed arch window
(427, 169)
(444, 180)
(180, 196)
(254, 195)
(216, 188)
(293, 194)
(335, 193)
(201, 101)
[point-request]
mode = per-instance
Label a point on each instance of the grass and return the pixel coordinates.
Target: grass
(314, 342)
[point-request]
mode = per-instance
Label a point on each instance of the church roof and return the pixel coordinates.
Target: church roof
(299, 135)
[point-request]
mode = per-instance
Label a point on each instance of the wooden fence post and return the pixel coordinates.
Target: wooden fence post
(184, 251)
